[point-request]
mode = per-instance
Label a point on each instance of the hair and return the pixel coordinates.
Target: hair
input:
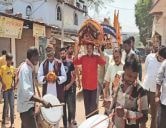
(132, 63)
(68, 46)
(9, 56)
(4, 52)
(132, 38)
(117, 49)
(127, 41)
(63, 49)
(162, 51)
(32, 51)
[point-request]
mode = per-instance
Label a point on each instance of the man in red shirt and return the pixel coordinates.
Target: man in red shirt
(89, 64)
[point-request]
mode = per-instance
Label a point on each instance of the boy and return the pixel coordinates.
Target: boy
(6, 78)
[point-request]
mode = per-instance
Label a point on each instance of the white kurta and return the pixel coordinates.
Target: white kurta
(51, 87)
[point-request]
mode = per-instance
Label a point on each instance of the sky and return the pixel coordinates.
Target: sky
(126, 13)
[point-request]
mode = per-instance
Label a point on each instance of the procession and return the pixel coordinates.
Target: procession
(92, 77)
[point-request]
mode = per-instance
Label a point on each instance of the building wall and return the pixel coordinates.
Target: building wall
(23, 44)
(5, 44)
(47, 13)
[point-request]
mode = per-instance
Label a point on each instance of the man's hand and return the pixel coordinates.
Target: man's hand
(3, 87)
(76, 48)
(66, 88)
(120, 111)
(157, 100)
(46, 104)
(106, 104)
(79, 86)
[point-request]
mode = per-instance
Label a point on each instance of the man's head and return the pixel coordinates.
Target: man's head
(117, 55)
(50, 52)
(63, 53)
(9, 59)
(131, 69)
(132, 41)
(161, 54)
(33, 55)
(4, 52)
(127, 45)
(69, 50)
(90, 49)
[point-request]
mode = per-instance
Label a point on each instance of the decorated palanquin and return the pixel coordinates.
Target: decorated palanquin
(91, 32)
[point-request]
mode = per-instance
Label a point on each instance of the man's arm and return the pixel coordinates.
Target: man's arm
(107, 80)
(27, 85)
(159, 80)
(76, 59)
(3, 84)
(73, 78)
(101, 54)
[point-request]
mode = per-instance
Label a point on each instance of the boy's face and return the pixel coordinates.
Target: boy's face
(9, 62)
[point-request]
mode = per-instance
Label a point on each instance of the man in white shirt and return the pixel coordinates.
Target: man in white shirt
(26, 94)
(51, 64)
(127, 45)
(161, 82)
(112, 70)
(152, 64)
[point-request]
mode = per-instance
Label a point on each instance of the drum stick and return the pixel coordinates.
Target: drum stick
(93, 112)
(57, 105)
(110, 116)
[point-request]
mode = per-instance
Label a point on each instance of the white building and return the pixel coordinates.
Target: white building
(51, 11)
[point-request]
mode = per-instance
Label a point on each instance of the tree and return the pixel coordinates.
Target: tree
(96, 4)
(144, 20)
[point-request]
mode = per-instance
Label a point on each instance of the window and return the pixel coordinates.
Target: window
(28, 11)
(84, 8)
(59, 13)
(75, 19)
(78, 5)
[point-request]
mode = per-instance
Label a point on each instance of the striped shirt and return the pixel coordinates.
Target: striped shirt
(134, 101)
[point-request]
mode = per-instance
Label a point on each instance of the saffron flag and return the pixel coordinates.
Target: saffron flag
(117, 27)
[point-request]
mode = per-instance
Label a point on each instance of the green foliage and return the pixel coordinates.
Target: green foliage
(144, 20)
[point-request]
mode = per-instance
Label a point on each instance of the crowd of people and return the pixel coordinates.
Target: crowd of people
(118, 79)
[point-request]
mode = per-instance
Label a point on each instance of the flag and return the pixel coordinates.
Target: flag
(117, 27)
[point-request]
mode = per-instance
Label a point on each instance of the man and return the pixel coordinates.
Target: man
(160, 96)
(152, 64)
(112, 70)
(138, 54)
(2, 62)
(127, 49)
(26, 90)
(7, 81)
(101, 73)
(69, 88)
(89, 64)
(51, 64)
(129, 105)
(69, 52)
(77, 68)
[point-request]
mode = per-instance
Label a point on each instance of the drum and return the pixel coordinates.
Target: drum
(96, 121)
(50, 117)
